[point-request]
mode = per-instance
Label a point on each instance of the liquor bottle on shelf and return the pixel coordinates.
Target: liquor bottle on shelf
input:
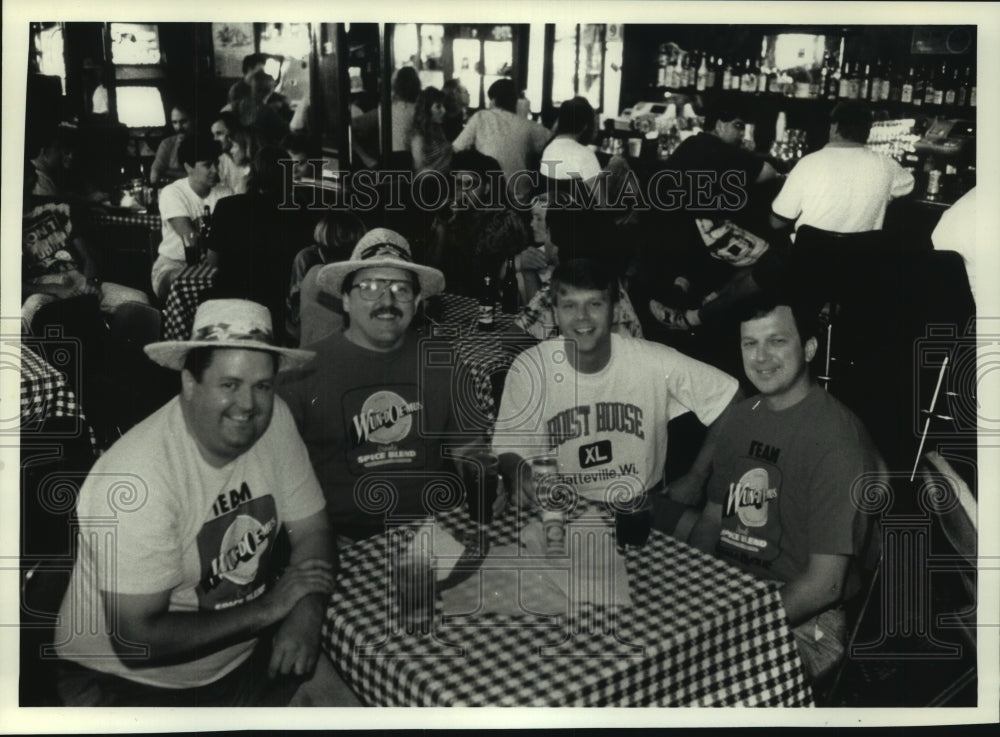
(661, 66)
(939, 86)
(748, 80)
(875, 82)
(710, 74)
(951, 88)
(832, 82)
(865, 83)
(972, 90)
(854, 82)
(929, 83)
(726, 76)
(701, 81)
(736, 79)
(906, 95)
(763, 73)
(774, 85)
(919, 88)
(962, 93)
(885, 93)
(844, 82)
(692, 69)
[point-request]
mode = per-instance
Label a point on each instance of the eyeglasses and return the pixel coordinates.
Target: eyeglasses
(371, 289)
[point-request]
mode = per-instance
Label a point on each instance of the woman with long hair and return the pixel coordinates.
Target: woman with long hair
(405, 89)
(428, 143)
(456, 107)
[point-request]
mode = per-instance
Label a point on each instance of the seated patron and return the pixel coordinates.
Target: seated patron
(56, 263)
(182, 206)
(368, 372)
(602, 401)
(197, 608)
(312, 312)
(167, 166)
(780, 474)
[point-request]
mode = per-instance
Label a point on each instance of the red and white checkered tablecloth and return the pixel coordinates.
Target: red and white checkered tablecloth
(698, 633)
(45, 394)
(182, 300)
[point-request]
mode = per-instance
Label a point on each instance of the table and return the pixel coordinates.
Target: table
(482, 358)
(45, 394)
(698, 633)
(126, 217)
(183, 298)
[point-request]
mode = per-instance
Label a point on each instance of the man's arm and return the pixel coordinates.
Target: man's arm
(689, 487)
(767, 173)
(296, 643)
(819, 586)
(780, 223)
(178, 636)
(705, 534)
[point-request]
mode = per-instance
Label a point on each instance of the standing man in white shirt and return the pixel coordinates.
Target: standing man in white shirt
(844, 187)
(182, 205)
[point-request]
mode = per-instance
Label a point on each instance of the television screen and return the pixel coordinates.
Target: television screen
(135, 43)
(141, 107)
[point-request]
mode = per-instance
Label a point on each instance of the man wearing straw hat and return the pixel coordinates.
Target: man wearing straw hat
(175, 598)
(367, 409)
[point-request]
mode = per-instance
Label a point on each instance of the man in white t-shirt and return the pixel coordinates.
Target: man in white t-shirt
(597, 401)
(177, 596)
(182, 205)
(845, 186)
(499, 132)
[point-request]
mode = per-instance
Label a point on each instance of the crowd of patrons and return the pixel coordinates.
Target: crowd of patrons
(345, 283)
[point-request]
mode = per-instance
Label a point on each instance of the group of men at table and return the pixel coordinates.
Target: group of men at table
(227, 505)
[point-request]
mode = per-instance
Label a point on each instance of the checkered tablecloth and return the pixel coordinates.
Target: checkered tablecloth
(182, 300)
(698, 633)
(482, 356)
(44, 394)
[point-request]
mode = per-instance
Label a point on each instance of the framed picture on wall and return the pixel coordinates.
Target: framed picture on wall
(232, 41)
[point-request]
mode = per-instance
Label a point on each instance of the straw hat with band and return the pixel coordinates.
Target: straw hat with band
(380, 247)
(227, 323)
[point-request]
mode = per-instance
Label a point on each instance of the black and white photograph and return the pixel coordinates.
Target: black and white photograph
(541, 355)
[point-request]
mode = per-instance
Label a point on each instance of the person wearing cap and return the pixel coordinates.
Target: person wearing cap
(176, 597)
(366, 405)
(182, 205)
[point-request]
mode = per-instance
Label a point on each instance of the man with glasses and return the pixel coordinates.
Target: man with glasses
(368, 412)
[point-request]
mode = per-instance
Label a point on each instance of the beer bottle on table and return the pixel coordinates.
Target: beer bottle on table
(509, 292)
(487, 306)
(204, 231)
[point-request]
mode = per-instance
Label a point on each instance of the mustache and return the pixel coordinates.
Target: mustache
(390, 310)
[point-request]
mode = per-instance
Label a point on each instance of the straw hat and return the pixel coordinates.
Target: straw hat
(227, 323)
(380, 247)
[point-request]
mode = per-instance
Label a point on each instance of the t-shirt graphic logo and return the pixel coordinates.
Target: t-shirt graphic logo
(385, 417)
(235, 550)
(595, 454)
(749, 498)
